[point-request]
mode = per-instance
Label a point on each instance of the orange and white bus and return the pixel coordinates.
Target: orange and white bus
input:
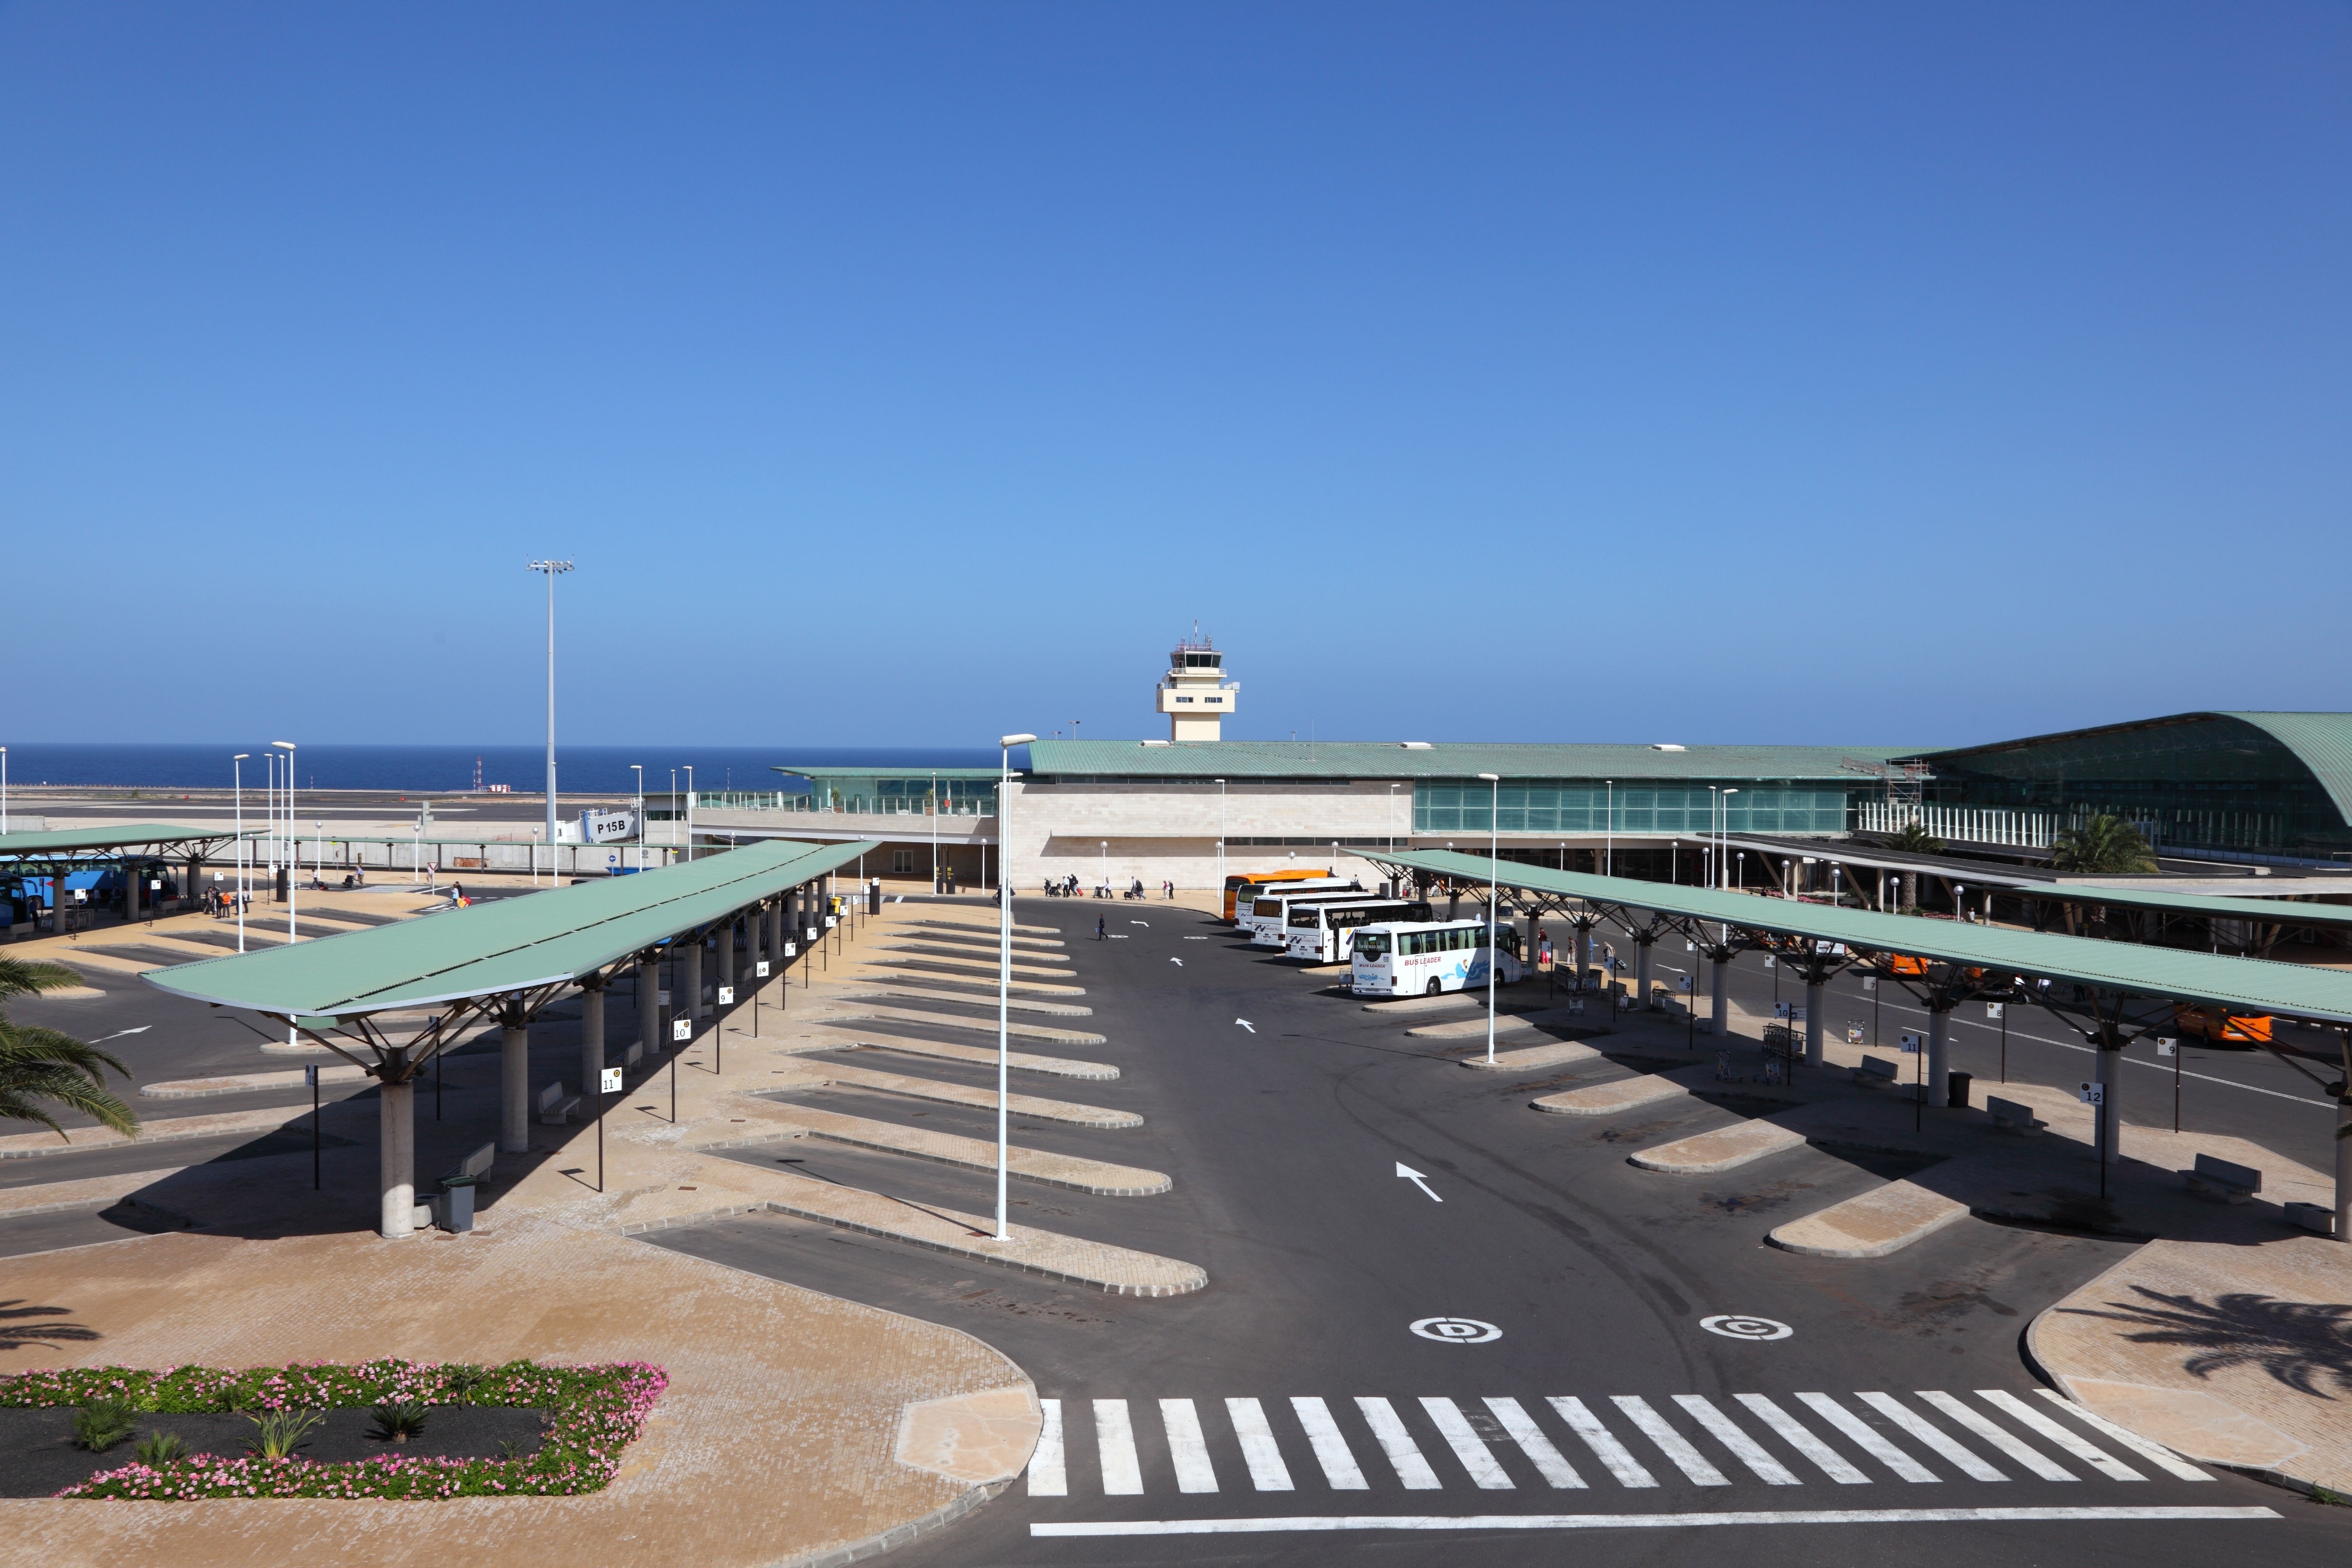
(1248, 880)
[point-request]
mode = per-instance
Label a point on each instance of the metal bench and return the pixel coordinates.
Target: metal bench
(2235, 1184)
(1875, 1072)
(2011, 1117)
(555, 1108)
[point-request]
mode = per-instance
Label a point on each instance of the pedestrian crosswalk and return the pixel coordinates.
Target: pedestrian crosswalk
(1567, 1442)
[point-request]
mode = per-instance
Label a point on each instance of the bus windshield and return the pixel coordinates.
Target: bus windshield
(1372, 945)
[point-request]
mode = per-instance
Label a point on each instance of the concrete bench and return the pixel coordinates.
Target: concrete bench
(1875, 1072)
(2011, 1117)
(555, 1108)
(635, 1054)
(2237, 1183)
(2312, 1216)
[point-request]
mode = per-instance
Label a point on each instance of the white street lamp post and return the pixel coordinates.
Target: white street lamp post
(4, 789)
(553, 569)
(1609, 833)
(243, 850)
(639, 769)
(291, 879)
(1004, 973)
(689, 809)
(1493, 866)
(1723, 849)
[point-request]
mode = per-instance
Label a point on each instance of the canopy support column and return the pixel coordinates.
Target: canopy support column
(1718, 1003)
(726, 934)
(1644, 943)
(1816, 1052)
(514, 1085)
(1937, 1090)
(591, 1035)
(2105, 1071)
(133, 877)
(396, 1150)
(649, 1010)
(2343, 1145)
(690, 1007)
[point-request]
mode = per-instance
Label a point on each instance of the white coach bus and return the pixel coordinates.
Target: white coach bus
(1325, 933)
(1421, 958)
(1270, 910)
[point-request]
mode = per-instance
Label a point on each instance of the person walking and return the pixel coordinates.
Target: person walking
(1102, 929)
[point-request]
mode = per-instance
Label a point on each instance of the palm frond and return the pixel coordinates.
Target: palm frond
(24, 977)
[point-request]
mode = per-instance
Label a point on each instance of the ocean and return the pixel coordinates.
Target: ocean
(586, 769)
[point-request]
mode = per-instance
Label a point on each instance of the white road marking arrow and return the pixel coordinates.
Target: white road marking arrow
(1418, 1180)
(1246, 1024)
(1145, 924)
(120, 1033)
(1178, 962)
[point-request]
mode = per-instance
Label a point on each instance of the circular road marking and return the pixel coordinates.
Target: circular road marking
(1739, 1326)
(1456, 1331)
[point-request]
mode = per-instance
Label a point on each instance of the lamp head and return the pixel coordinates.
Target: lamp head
(1491, 778)
(240, 757)
(283, 745)
(1009, 741)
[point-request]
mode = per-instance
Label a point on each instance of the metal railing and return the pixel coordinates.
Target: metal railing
(1963, 824)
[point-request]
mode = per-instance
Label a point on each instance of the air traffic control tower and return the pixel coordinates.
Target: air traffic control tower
(1194, 693)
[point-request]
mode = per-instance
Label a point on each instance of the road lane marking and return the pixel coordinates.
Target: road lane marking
(1259, 1451)
(1932, 1436)
(1180, 963)
(1187, 1447)
(1246, 1024)
(2025, 1414)
(1798, 1436)
(1418, 1180)
(2008, 1442)
(1641, 1520)
(1049, 1474)
(1605, 1445)
(2154, 1453)
(1404, 1458)
(1548, 1461)
(1331, 1450)
(1467, 1446)
(1864, 1436)
(1744, 1448)
(1671, 1443)
(1122, 1475)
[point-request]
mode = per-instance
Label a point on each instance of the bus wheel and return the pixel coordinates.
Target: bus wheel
(1434, 988)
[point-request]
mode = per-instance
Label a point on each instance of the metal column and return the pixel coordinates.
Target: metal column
(514, 1079)
(649, 1010)
(592, 1036)
(396, 1152)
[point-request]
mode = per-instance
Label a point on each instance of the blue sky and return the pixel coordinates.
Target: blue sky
(905, 375)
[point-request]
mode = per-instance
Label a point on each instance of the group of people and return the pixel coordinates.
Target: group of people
(1067, 888)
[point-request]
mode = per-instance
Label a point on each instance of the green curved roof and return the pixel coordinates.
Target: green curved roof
(2322, 743)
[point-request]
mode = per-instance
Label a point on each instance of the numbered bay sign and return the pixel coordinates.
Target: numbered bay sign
(1779, 1009)
(831, 922)
(309, 1075)
(610, 1082)
(792, 949)
(2092, 1093)
(681, 1028)
(1993, 1009)
(2165, 1047)
(1910, 1045)
(759, 970)
(1870, 983)
(727, 995)
(1684, 982)
(812, 933)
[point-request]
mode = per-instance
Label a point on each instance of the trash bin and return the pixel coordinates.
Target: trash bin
(458, 1204)
(873, 897)
(1959, 1082)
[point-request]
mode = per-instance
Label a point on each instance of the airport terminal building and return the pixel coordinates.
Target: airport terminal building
(2243, 788)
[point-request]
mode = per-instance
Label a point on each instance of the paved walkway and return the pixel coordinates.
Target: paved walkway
(2232, 1355)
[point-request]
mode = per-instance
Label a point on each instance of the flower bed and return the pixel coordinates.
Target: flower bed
(594, 1412)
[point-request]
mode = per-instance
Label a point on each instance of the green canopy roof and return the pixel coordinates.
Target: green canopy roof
(2245, 986)
(513, 944)
(105, 843)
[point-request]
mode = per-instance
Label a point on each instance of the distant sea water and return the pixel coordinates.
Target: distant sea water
(584, 770)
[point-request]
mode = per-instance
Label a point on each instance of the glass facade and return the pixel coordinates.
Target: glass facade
(2200, 783)
(1783, 807)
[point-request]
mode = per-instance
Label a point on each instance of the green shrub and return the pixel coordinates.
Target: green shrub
(102, 1423)
(161, 1449)
(279, 1432)
(399, 1421)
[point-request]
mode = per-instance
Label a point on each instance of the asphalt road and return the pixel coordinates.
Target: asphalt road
(1284, 1139)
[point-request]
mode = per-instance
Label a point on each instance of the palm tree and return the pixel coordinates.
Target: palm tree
(1915, 839)
(2105, 846)
(42, 1065)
